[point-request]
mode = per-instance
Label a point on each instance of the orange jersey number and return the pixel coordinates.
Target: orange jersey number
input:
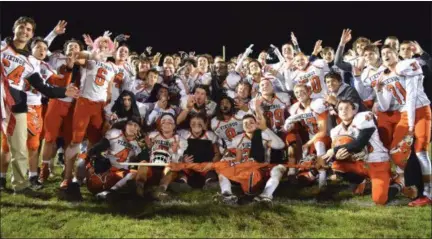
(122, 155)
(118, 80)
(100, 76)
(230, 133)
(276, 118)
(315, 84)
(16, 74)
(399, 88)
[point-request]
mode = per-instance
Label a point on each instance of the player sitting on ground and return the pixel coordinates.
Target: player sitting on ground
(202, 147)
(105, 174)
(165, 147)
(249, 158)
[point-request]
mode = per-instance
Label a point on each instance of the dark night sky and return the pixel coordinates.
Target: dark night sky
(206, 26)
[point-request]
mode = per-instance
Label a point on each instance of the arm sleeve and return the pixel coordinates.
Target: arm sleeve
(289, 86)
(49, 39)
(312, 58)
(359, 143)
(100, 147)
(411, 98)
(339, 62)
(276, 141)
(360, 88)
(428, 59)
(51, 92)
(153, 115)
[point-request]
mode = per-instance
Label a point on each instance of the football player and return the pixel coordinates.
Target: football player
(403, 82)
(359, 152)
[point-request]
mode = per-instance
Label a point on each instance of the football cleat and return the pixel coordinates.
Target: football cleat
(263, 200)
(2, 184)
(419, 202)
(408, 191)
(34, 183)
(160, 194)
(65, 184)
(360, 188)
(226, 198)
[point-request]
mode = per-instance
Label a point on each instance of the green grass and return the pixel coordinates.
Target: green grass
(297, 212)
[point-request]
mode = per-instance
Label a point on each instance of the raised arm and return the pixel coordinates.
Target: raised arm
(339, 62)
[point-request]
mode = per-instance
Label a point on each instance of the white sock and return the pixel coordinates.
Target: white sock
(2, 175)
(275, 176)
(225, 184)
(426, 168)
(122, 182)
(322, 178)
(60, 150)
(46, 162)
(291, 171)
(31, 174)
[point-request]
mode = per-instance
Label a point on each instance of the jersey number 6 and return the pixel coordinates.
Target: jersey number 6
(100, 77)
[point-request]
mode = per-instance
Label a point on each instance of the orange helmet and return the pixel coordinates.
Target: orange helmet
(345, 139)
(97, 183)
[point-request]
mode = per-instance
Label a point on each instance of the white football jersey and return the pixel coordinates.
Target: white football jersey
(17, 67)
(162, 151)
(95, 78)
(309, 117)
(200, 79)
(141, 92)
(274, 110)
(406, 87)
(244, 143)
(226, 130)
(121, 150)
(363, 120)
(34, 97)
(123, 74)
(367, 81)
(231, 81)
(312, 76)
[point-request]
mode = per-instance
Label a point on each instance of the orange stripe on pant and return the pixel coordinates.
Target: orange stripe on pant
(379, 174)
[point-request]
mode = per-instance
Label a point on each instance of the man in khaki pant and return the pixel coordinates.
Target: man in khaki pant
(18, 148)
(18, 65)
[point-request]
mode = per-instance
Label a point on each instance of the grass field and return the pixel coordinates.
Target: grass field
(297, 212)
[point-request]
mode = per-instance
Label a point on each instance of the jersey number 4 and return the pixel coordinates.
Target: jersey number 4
(14, 75)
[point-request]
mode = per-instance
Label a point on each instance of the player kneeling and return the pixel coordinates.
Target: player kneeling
(106, 175)
(359, 152)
